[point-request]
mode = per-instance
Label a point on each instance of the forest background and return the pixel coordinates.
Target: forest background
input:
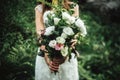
(99, 50)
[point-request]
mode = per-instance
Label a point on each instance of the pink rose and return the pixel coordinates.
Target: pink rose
(59, 46)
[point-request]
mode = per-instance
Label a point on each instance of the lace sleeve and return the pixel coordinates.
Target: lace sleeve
(39, 8)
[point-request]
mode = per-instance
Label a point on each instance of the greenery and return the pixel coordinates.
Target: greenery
(99, 50)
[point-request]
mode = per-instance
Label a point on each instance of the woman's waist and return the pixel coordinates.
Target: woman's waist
(40, 53)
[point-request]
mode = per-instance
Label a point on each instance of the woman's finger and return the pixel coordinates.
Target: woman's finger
(53, 67)
(58, 61)
(42, 47)
(74, 40)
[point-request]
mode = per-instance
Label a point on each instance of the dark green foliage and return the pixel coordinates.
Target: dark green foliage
(100, 58)
(17, 42)
(99, 50)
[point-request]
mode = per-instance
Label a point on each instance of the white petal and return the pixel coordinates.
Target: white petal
(80, 24)
(56, 20)
(49, 30)
(68, 31)
(64, 51)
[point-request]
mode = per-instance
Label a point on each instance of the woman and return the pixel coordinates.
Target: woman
(44, 69)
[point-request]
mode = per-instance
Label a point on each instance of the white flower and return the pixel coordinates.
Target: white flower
(52, 14)
(45, 16)
(68, 18)
(60, 40)
(64, 51)
(49, 30)
(64, 35)
(56, 20)
(72, 19)
(80, 24)
(68, 31)
(65, 16)
(52, 43)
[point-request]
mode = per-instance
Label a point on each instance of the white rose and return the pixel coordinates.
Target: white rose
(64, 35)
(60, 40)
(49, 30)
(64, 51)
(72, 19)
(80, 24)
(52, 43)
(68, 22)
(68, 31)
(56, 20)
(45, 16)
(65, 16)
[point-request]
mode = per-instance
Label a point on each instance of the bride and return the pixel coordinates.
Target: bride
(44, 68)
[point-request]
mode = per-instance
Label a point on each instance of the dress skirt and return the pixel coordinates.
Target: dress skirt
(67, 70)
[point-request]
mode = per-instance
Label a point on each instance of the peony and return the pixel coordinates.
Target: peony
(52, 43)
(80, 24)
(59, 46)
(65, 16)
(64, 51)
(60, 40)
(49, 30)
(56, 21)
(68, 31)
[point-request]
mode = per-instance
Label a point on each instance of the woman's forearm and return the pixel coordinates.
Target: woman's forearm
(39, 22)
(47, 60)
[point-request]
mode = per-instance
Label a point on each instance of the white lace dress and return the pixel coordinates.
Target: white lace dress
(67, 71)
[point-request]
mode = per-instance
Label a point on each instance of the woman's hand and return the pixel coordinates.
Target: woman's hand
(73, 41)
(54, 64)
(42, 47)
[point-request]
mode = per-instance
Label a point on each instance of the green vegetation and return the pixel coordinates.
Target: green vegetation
(99, 50)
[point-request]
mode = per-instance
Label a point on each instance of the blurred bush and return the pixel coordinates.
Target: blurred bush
(108, 10)
(17, 41)
(100, 50)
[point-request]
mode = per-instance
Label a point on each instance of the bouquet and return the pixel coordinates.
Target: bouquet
(61, 29)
